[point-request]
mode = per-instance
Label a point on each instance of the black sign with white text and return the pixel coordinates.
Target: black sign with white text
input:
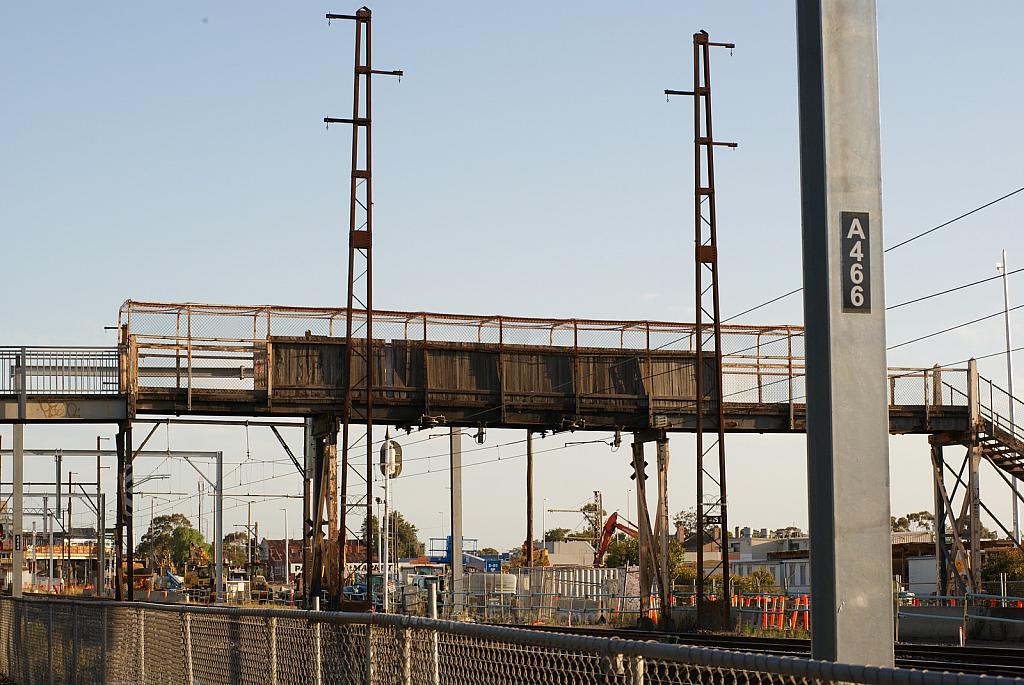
(856, 261)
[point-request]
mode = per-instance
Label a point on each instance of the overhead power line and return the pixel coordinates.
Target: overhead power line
(893, 247)
(952, 290)
(951, 328)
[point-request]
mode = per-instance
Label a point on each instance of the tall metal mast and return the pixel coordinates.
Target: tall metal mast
(711, 488)
(358, 362)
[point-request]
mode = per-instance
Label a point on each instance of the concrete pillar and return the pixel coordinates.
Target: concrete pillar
(661, 526)
(218, 528)
(844, 313)
(455, 473)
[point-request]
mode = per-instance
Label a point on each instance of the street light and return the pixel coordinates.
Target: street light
(1004, 269)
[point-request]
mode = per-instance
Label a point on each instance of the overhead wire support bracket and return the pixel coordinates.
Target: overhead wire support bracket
(358, 356)
(710, 412)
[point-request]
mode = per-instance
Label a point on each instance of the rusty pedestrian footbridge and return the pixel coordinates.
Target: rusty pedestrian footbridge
(468, 371)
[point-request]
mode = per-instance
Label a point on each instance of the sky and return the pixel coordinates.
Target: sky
(527, 164)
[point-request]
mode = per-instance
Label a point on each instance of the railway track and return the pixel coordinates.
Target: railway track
(1001, 661)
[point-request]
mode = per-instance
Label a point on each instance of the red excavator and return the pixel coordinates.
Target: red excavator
(610, 526)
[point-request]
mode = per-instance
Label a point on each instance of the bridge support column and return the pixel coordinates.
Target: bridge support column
(652, 542)
(844, 310)
(661, 534)
(309, 469)
(124, 532)
(458, 588)
(941, 551)
(328, 551)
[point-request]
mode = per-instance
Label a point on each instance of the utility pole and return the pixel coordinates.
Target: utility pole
(844, 313)
(1004, 268)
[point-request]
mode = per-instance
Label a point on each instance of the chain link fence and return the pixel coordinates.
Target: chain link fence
(56, 641)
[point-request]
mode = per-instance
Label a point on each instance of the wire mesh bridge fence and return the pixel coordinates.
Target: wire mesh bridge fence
(59, 641)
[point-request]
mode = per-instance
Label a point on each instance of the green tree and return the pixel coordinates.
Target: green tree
(622, 551)
(168, 538)
(556, 534)
(406, 535)
(688, 517)
(181, 539)
(921, 520)
(685, 574)
(1010, 562)
(761, 580)
(899, 525)
(489, 552)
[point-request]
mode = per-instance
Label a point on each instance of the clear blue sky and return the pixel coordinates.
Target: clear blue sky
(527, 164)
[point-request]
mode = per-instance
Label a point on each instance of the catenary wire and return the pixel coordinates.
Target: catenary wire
(892, 247)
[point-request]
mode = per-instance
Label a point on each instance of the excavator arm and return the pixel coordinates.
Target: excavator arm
(610, 526)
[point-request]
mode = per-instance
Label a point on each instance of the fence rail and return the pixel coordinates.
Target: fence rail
(224, 347)
(60, 370)
(59, 642)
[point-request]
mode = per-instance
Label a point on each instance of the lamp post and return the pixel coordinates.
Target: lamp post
(1003, 268)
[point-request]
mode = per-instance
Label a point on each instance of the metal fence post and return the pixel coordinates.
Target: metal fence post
(405, 640)
(272, 637)
(104, 645)
(369, 654)
(73, 676)
(636, 671)
(318, 658)
(186, 627)
(435, 661)
(142, 645)
(49, 640)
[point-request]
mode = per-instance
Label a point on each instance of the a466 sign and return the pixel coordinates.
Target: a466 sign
(856, 261)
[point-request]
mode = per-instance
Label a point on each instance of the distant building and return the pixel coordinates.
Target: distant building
(570, 553)
(272, 558)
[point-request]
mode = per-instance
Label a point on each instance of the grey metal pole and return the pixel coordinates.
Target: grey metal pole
(844, 314)
(385, 556)
(218, 528)
(18, 520)
(1004, 268)
(528, 547)
(48, 517)
(102, 516)
(432, 599)
(457, 591)
(287, 560)
(18, 523)
(98, 582)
